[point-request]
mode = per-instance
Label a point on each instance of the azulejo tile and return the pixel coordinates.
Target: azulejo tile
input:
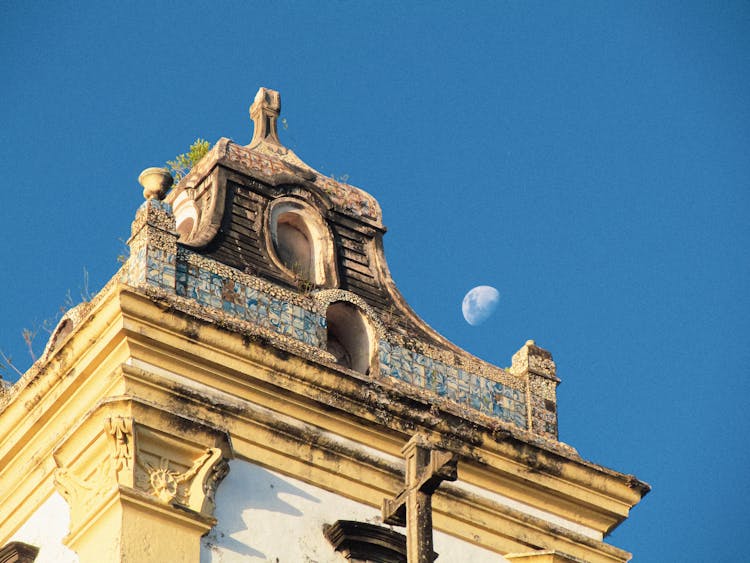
(499, 411)
(250, 304)
(439, 383)
(383, 360)
(459, 385)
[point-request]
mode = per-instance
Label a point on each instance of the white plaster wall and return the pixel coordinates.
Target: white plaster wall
(46, 529)
(265, 516)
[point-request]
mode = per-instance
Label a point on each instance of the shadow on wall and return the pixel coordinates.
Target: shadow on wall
(247, 494)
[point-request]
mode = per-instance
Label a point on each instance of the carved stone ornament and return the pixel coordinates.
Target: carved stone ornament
(183, 475)
(156, 182)
(83, 494)
(193, 488)
(121, 430)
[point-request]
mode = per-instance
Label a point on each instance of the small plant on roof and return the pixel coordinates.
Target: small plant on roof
(304, 285)
(183, 163)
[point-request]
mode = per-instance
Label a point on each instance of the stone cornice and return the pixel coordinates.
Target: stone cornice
(261, 393)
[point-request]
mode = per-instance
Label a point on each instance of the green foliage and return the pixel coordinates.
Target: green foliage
(180, 166)
(29, 334)
(343, 179)
(304, 285)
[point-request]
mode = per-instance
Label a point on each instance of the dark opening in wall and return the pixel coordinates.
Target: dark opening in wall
(60, 334)
(301, 243)
(349, 336)
(293, 245)
(185, 214)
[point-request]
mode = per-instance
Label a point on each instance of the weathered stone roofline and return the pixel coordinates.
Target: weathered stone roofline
(458, 427)
(519, 396)
(140, 349)
(190, 255)
(148, 282)
(255, 320)
(276, 168)
(268, 171)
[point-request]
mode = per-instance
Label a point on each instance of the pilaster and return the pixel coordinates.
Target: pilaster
(153, 247)
(140, 483)
(536, 367)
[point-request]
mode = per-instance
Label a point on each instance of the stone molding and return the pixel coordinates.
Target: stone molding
(360, 541)
(545, 556)
(216, 377)
(160, 464)
(535, 366)
(18, 552)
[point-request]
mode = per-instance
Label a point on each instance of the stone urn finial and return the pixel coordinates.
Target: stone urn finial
(155, 181)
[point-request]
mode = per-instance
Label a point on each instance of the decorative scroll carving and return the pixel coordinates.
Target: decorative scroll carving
(198, 201)
(164, 483)
(213, 469)
(193, 488)
(121, 430)
(148, 461)
(82, 494)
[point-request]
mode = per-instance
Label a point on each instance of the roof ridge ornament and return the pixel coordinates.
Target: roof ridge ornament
(264, 112)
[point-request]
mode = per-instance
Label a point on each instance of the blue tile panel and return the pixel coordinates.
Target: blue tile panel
(160, 268)
(136, 268)
(250, 304)
(468, 389)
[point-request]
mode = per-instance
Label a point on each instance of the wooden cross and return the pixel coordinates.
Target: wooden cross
(426, 468)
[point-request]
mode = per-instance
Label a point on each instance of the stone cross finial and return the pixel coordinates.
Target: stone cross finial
(264, 112)
(426, 468)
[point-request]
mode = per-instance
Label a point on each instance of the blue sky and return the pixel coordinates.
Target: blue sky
(587, 159)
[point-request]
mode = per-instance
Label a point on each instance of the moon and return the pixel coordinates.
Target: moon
(479, 304)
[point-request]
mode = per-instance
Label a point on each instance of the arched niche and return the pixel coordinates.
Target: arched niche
(293, 245)
(301, 243)
(186, 215)
(63, 330)
(350, 337)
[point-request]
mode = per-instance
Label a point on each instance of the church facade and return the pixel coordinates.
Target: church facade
(251, 386)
